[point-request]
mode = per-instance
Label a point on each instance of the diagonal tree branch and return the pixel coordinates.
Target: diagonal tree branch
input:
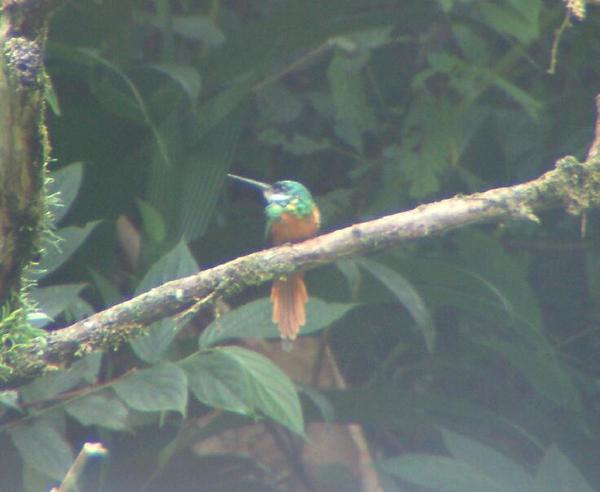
(573, 185)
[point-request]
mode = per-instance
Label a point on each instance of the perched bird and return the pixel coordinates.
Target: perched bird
(292, 216)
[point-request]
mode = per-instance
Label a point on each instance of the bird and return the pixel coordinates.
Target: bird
(292, 216)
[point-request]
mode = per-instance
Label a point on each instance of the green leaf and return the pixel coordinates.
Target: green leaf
(319, 400)
(556, 473)
(504, 277)
(42, 447)
(204, 175)
(185, 75)
(522, 23)
(253, 320)
(296, 145)
(407, 295)
(440, 473)
(244, 382)
(178, 263)
(66, 181)
(511, 475)
(542, 369)
(216, 109)
(10, 399)
(157, 389)
(103, 410)
(353, 113)
(55, 255)
(198, 27)
(152, 345)
(91, 56)
(54, 300)
(51, 384)
(108, 291)
(278, 104)
(153, 223)
(529, 103)
(51, 97)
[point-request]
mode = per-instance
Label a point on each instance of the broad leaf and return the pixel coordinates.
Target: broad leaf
(52, 383)
(66, 181)
(556, 473)
(55, 255)
(54, 300)
(178, 263)
(407, 295)
(253, 320)
(505, 471)
(103, 410)
(159, 388)
(43, 448)
(185, 75)
(542, 369)
(244, 382)
(440, 473)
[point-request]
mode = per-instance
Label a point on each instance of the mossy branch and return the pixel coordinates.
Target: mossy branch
(24, 151)
(571, 184)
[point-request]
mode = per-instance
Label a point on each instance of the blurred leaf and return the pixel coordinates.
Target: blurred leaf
(185, 75)
(10, 399)
(543, 371)
(556, 473)
(95, 58)
(366, 40)
(450, 474)
(51, 97)
(160, 388)
(198, 27)
(178, 263)
(216, 109)
(527, 102)
(406, 295)
(51, 384)
(55, 255)
(320, 401)
(519, 20)
(54, 300)
(278, 104)
(43, 448)
(108, 291)
(151, 346)
(153, 224)
(66, 181)
(508, 473)
(353, 275)
(242, 381)
(204, 175)
(486, 256)
(103, 410)
(253, 320)
(353, 113)
(296, 145)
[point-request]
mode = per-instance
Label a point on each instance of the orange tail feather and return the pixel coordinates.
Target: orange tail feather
(289, 297)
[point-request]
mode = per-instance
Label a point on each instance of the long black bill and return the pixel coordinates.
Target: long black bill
(258, 184)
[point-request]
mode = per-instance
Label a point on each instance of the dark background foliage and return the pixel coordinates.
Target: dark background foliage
(377, 106)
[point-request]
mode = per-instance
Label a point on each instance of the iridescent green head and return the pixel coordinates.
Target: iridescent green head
(288, 196)
(282, 196)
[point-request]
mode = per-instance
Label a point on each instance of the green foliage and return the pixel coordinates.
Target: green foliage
(475, 466)
(375, 106)
(244, 382)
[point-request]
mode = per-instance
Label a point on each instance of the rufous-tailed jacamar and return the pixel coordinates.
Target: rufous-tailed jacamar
(292, 216)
